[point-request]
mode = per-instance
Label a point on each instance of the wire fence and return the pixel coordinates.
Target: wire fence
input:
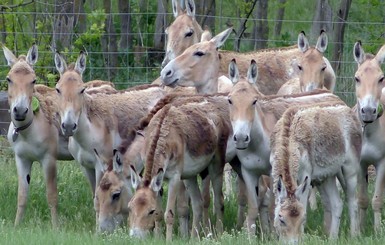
(42, 22)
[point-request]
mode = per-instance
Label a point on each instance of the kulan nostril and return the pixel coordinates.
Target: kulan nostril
(62, 125)
(14, 109)
(235, 137)
(374, 111)
(362, 110)
(168, 73)
(75, 126)
(247, 138)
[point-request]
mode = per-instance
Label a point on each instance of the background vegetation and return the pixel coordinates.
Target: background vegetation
(124, 39)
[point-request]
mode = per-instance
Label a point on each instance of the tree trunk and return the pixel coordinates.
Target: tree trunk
(142, 20)
(242, 27)
(80, 17)
(160, 24)
(206, 11)
(322, 19)
(279, 17)
(63, 25)
(109, 42)
(261, 27)
(339, 29)
(125, 42)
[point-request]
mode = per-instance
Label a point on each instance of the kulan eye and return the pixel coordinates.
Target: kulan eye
(151, 212)
(115, 196)
(189, 34)
(199, 53)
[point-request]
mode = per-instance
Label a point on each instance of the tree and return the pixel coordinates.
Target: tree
(160, 24)
(206, 13)
(322, 18)
(125, 25)
(261, 27)
(109, 42)
(338, 34)
(279, 18)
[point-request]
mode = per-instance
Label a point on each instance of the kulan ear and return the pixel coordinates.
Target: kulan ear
(136, 180)
(206, 36)
(61, 65)
(221, 38)
(302, 191)
(100, 162)
(190, 8)
(233, 71)
(9, 56)
(322, 42)
(117, 163)
(358, 53)
(157, 180)
(281, 190)
(303, 43)
(176, 8)
(380, 56)
(32, 55)
(252, 72)
(80, 64)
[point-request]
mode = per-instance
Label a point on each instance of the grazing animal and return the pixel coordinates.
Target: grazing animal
(34, 132)
(315, 71)
(112, 195)
(369, 79)
(313, 145)
(182, 140)
(253, 116)
(99, 121)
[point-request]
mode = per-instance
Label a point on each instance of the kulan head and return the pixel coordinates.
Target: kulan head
(145, 206)
(369, 80)
(197, 66)
(290, 211)
(312, 64)
(21, 80)
(242, 103)
(70, 89)
(112, 195)
(183, 32)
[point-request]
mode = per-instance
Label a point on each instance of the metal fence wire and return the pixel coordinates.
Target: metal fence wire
(124, 41)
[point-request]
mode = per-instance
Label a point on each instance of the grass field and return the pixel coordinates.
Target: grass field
(77, 220)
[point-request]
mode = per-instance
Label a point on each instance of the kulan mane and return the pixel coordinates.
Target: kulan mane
(282, 156)
(22, 67)
(149, 165)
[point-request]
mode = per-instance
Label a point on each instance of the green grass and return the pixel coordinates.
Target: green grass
(77, 219)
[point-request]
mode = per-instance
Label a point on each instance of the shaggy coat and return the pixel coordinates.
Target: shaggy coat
(314, 143)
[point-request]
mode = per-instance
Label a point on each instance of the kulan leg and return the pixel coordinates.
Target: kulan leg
(363, 196)
(24, 176)
(251, 181)
(169, 215)
(216, 176)
(183, 211)
(196, 203)
(50, 175)
(329, 188)
(350, 190)
(378, 197)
